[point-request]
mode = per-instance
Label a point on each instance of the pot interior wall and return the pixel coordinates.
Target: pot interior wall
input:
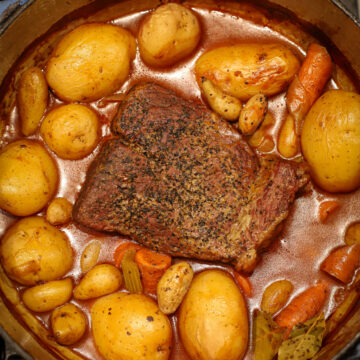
(40, 16)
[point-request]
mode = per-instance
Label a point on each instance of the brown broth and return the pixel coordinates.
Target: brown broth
(303, 243)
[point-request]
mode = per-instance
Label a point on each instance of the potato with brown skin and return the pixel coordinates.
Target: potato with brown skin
(130, 326)
(245, 70)
(33, 250)
(68, 324)
(48, 296)
(168, 34)
(90, 62)
(90, 255)
(101, 280)
(253, 114)
(28, 177)
(32, 99)
(213, 320)
(59, 211)
(276, 296)
(71, 131)
(227, 106)
(173, 286)
(330, 141)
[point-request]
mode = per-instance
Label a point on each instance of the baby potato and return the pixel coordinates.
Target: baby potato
(173, 286)
(101, 280)
(32, 98)
(288, 143)
(130, 326)
(33, 250)
(90, 255)
(68, 324)
(276, 296)
(71, 131)
(168, 34)
(245, 70)
(330, 141)
(227, 106)
(213, 320)
(59, 211)
(48, 296)
(90, 62)
(253, 113)
(352, 235)
(28, 177)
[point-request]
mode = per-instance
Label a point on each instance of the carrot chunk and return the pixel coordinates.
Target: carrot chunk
(307, 86)
(152, 266)
(342, 262)
(326, 208)
(121, 250)
(303, 307)
(243, 282)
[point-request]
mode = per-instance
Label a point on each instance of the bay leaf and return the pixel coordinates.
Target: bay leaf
(267, 336)
(304, 341)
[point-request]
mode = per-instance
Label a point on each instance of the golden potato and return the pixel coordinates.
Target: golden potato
(71, 131)
(68, 324)
(90, 255)
(276, 296)
(33, 250)
(245, 70)
(288, 142)
(32, 98)
(330, 141)
(90, 62)
(213, 320)
(173, 286)
(59, 211)
(28, 177)
(227, 106)
(130, 326)
(48, 296)
(100, 280)
(168, 34)
(253, 114)
(352, 235)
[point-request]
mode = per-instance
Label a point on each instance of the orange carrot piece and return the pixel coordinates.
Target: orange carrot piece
(342, 262)
(326, 208)
(152, 266)
(307, 86)
(303, 307)
(121, 249)
(244, 283)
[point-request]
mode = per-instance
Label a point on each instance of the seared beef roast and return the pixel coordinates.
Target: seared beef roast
(181, 180)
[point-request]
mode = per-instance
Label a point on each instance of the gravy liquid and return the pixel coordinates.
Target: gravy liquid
(302, 245)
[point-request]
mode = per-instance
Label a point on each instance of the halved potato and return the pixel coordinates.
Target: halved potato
(90, 62)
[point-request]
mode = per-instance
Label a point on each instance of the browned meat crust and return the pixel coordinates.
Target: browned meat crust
(181, 180)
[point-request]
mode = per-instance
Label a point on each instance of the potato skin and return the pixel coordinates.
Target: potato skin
(213, 320)
(90, 62)
(90, 255)
(59, 211)
(28, 177)
(68, 324)
(330, 141)
(245, 70)
(168, 34)
(33, 250)
(276, 296)
(130, 326)
(71, 131)
(48, 296)
(101, 280)
(173, 286)
(32, 99)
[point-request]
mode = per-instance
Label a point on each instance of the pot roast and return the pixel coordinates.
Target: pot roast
(180, 180)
